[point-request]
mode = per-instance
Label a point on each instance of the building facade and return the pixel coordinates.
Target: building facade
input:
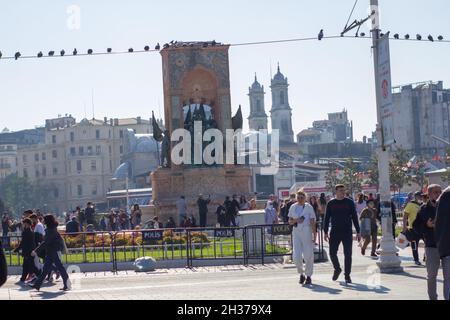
(77, 160)
(421, 110)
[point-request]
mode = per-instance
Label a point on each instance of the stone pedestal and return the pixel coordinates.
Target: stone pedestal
(219, 182)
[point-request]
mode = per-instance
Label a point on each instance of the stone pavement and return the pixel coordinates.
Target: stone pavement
(254, 282)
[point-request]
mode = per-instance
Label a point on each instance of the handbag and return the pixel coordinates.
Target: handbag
(402, 241)
(366, 227)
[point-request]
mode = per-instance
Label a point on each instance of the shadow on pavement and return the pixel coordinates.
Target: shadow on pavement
(365, 288)
(409, 275)
(323, 289)
(49, 295)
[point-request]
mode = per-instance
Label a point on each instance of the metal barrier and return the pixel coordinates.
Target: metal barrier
(193, 244)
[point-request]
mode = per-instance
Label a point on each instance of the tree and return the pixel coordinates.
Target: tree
(350, 177)
(19, 194)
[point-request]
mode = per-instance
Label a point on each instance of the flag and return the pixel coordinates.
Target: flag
(157, 132)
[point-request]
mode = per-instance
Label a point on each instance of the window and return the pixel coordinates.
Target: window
(81, 151)
(54, 154)
(56, 193)
(79, 190)
(89, 151)
(93, 165)
(94, 188)
(36, 157)
(98, 150)
(110, 165)
(110, 150)
(44, 156)
(121, 133)
(97, 134)
(44, 171)
(55, 171)
(25, 173)
(72, 136)
(73, 151)
(24, 158)
(37, 173)
(281, 97)
(53, 139)
(258, 105)
(78, 165)
(121, 149)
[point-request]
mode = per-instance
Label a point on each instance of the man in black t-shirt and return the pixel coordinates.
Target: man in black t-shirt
(341, 212)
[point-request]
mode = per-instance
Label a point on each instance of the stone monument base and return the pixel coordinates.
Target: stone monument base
(169, 184)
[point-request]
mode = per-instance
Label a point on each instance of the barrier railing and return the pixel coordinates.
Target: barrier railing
(191, 244)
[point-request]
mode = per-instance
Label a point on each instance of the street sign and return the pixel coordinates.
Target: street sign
(281, 230)
(152, 235)
(224, 233)
(385, 91)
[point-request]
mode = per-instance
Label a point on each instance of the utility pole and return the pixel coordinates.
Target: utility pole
(389, 261)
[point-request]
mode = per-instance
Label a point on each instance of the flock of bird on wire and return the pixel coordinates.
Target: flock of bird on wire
(320, 36)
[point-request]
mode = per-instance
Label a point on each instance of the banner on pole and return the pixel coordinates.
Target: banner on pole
(385, 91)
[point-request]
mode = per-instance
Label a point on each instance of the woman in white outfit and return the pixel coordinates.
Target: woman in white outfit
(303, 219)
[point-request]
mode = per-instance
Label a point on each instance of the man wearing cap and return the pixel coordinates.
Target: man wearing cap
(409, 216)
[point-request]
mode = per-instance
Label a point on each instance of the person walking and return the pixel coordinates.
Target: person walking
(182, 208)
(53, 243)
(136, 216)
(442, 236)
(221, 215)
(360, 204)
(369, 227)
(6, 221)
(27, 245)
(90, 214)
(303, 219)
(270, 214)
(203, 209)
(341, 213)
(409, 216)
(424, 225)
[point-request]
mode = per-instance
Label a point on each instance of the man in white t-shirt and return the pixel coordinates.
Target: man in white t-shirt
(303, 219)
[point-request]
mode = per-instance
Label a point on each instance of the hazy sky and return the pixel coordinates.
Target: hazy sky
(324, 76)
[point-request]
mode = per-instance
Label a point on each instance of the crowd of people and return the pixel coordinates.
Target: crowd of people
(41, 242)
(425, 218)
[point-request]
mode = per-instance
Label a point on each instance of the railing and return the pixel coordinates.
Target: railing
(193, 244)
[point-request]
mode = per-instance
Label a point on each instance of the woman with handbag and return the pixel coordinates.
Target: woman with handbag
(369, 228)
(53, 243)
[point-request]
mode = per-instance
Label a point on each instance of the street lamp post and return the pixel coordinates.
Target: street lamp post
(389, 262)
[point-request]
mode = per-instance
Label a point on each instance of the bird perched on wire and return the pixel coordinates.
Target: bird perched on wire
(39, 55)
(130, 50)
(396, 36)
(90, 51)
(407, 36)
(418, 37)
(146, 48)
(62, 52)
(51, 53)
(362, 34)
(320, 36)
(440, 38)
(109, 50)
(1, 54)
(166, 45)
(75, 52)
(17, 55)
(157, 47)
(430, 37)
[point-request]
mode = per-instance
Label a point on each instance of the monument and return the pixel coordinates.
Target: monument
(196, 88)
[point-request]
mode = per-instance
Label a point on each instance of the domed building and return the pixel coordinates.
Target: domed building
(140, 158)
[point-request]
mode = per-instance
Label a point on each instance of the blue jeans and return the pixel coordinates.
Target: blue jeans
(446, 272)
(50, 260)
